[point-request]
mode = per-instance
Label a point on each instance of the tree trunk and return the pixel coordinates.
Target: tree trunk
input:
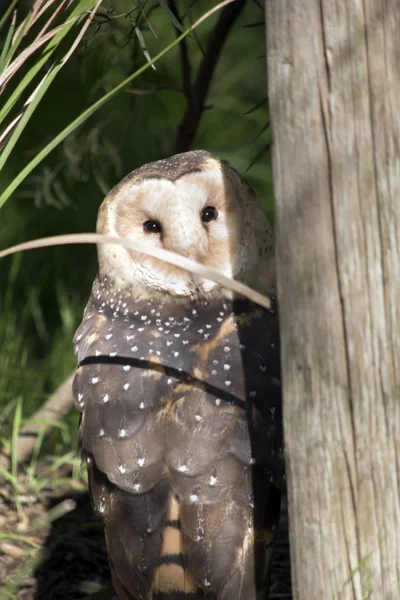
(334, 97)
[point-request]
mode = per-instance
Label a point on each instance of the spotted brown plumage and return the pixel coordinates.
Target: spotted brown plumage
(180, 397)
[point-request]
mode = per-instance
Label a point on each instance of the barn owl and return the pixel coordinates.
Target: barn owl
(178, 385)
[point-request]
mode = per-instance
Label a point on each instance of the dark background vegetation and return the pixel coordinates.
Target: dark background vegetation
(43, 292)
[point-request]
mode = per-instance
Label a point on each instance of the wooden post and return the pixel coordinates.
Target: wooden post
(334, 97)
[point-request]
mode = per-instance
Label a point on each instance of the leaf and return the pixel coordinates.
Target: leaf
(264, 128)
(171, 16)
(7, 14)
(143, 46)
(7, 43)
(256, 24)
(19, 34)
(188, 9)
(260, 6)
(256, 106)
(257, 157)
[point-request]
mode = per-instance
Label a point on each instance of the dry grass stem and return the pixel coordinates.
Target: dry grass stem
(210, 12)
(169, 257)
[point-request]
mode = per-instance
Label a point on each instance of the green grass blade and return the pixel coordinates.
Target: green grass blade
(171, 16)
(20, 34)
(8, 477)
(45, 56)
(15, 537)
(8, 595)
(37, 96)
(259, 154)
(143, 46)
(7, 44)
(4, 18)
(35, 453)
(42, 38)
(262, 130)
(14, 437)
(27, 113)
(53, 514)
(256, 106)
(26, 81)
(257, 24)
(16, 428)
(12, 68)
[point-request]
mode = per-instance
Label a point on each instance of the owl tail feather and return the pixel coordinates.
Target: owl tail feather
(171, 581)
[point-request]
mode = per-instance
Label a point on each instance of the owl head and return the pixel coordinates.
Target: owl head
(196, 206)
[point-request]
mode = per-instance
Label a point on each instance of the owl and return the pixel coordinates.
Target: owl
(178, 383)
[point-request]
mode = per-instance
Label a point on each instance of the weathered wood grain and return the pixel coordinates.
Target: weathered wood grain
(334, 97)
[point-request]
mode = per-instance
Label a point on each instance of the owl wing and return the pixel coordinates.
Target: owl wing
(182, 466)
(122, 439)
(230, 489)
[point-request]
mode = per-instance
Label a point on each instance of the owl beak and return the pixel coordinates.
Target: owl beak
(190, 252)
(197, 280)
(196, 254)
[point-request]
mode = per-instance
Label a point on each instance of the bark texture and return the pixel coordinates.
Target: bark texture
(334, 96)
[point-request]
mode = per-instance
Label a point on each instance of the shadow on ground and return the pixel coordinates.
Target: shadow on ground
(75, 562)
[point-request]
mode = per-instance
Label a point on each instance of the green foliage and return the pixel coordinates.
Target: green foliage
(43, 292)
(11, 62)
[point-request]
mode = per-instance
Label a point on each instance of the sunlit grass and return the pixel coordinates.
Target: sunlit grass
(25, 377)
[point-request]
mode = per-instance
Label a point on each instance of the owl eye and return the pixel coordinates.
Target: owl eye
(210, 213)
(152, 227)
